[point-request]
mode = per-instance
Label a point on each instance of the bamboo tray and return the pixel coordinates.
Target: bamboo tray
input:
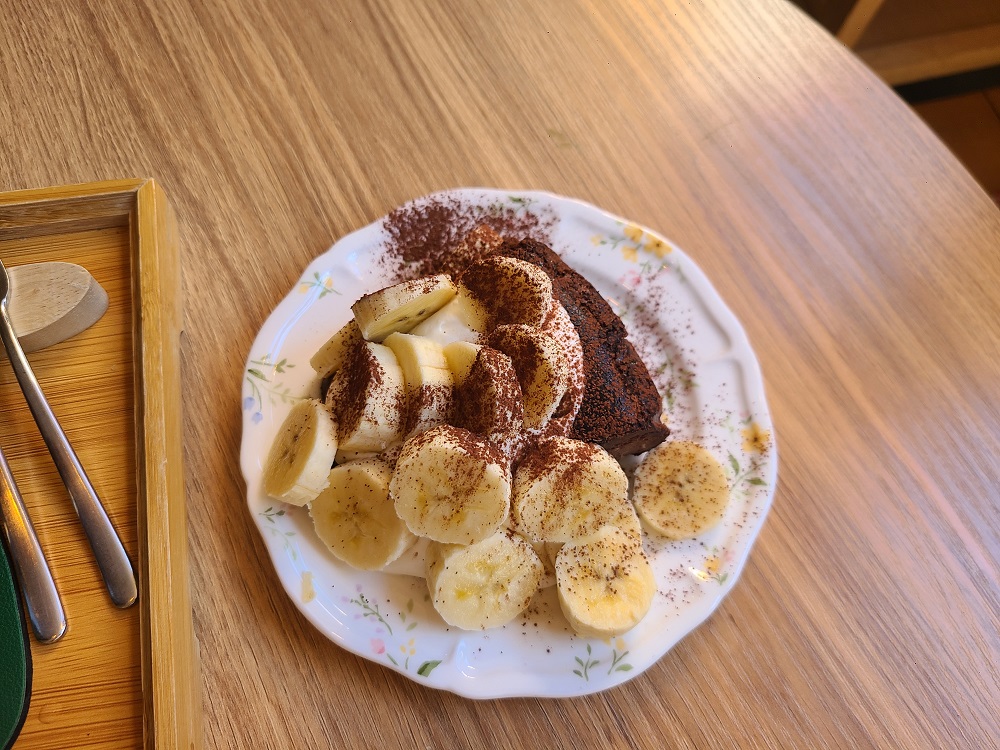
(118, 678)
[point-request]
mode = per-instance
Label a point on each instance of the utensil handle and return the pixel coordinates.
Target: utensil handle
(45, 610)
(112, 559)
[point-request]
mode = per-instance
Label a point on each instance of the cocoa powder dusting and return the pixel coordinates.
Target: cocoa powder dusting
(574, 458)
(429, 236)
(346, 395)
(489, 401)
(524, 352)
(433, 399)
(472, 444)
(561, 328)
(520, 292)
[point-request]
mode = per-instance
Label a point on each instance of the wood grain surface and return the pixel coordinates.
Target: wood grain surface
(859, 255)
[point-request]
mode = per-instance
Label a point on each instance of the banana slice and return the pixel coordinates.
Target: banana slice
(605, 583)
(355, 518)
(402, 306)
(489, 401)
(541, 367)
(567, 489)
(337, 350)
(482, 585)
(344, 457)
(460, 356)
(302, 454)
(680, 490)
(548, 560)
(367, 397)
(428, 381)
(546, 552)
(512, 290)
(451, 486)
(463, 318)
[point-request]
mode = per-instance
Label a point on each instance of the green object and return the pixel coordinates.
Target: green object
(15, 656)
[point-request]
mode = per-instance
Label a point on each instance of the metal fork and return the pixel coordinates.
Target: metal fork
(116, 568)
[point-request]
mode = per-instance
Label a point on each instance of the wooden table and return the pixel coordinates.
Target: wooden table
(863, 261)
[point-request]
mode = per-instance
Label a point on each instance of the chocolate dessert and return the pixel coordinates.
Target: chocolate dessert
(621, 406)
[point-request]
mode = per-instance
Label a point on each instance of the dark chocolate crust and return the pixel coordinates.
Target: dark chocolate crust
(621, 405)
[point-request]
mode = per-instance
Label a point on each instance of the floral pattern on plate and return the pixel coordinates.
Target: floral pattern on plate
(712, 391)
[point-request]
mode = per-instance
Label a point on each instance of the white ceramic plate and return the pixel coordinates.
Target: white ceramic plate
(712, 392)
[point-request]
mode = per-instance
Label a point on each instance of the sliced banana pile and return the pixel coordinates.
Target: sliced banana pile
(419, 437)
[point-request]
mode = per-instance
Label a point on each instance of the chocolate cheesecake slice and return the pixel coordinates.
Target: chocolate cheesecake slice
(621, 405)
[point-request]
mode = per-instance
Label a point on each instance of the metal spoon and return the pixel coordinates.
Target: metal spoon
(119, 577)
(40, 595)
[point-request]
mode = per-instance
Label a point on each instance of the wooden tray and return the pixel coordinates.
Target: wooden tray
(118, 678)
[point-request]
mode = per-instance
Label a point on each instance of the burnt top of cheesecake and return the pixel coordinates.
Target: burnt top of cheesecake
(621, 405)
